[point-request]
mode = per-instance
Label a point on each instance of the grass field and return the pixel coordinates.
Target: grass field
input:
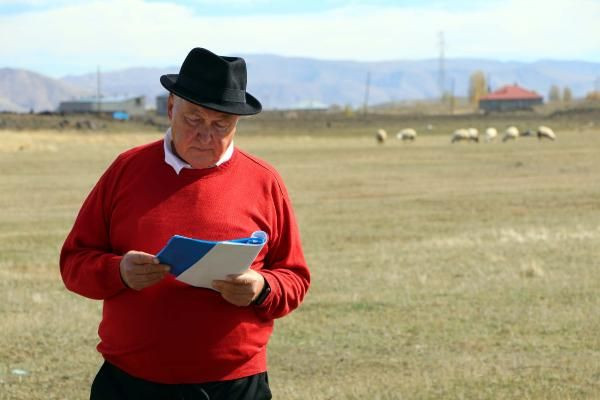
(466, 271)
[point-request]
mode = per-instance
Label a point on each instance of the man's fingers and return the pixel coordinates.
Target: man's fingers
(232, 288)
(151, 269)
(140, 270)
(240, 289)
(238, 300)
(229, 286)
(144, 258)
(242, 279)
(140, 282)
(152, 275)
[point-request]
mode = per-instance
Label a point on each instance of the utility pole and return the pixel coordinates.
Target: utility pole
(366, 104)
(441, 72)
(452, 96)
(98, 92)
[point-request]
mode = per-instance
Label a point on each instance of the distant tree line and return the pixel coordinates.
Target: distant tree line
(555, 96)
(478, 87)
(593, 96)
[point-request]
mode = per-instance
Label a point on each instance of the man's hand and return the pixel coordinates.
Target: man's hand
(241, 289)
(140, 270)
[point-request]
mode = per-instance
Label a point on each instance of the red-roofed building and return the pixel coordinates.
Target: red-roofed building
(510, 97)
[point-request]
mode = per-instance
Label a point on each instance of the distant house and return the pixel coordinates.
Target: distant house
(129, 105)
(161, 104)
(510, 97)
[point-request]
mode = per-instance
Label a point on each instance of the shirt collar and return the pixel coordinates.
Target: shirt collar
(178, 164)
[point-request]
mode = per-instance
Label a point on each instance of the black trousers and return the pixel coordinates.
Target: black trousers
(112, 383)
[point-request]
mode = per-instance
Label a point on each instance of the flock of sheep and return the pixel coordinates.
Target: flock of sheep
(407, 134)
(404, 134)
(472, 134)
(511, 133)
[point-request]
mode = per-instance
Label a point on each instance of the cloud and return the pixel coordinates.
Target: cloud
(119, 33)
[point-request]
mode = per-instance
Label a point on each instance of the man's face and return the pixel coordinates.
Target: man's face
(200, 135)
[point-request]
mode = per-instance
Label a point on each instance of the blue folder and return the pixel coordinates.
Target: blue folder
(182, 252)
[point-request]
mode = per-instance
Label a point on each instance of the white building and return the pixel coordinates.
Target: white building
(130, 105)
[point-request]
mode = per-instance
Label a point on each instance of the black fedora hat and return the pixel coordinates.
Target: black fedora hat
(214, 82)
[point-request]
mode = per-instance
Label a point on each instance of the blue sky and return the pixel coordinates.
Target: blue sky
(253, 7)
(63, 37)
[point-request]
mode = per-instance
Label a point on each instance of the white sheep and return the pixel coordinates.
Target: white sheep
(460, 134)
(465, 134)
(474, 134)
(544, 132)
(511, 133)
(381, 136)
(407, 134)
(490, 134)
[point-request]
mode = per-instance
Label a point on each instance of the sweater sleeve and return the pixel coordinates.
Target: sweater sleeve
(88, 265)
(285, 270)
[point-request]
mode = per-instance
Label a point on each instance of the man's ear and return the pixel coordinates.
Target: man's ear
(170, 105)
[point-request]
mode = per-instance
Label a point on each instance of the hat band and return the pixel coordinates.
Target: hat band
(211, 92)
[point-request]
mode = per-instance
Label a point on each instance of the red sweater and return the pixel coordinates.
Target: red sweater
(172, 332)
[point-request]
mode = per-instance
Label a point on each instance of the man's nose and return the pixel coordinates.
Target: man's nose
(204, 133)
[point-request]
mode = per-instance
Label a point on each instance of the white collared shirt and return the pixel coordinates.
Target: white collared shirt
(178, 164)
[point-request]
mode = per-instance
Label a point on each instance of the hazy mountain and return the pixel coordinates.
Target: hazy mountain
(22, 90)
(283, 82)
(125, 82)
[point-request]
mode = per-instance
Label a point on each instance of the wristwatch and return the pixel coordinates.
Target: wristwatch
(263, 294)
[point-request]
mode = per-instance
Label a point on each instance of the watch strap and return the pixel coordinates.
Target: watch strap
(263, 294)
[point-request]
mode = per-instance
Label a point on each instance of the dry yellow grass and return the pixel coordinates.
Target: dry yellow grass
(439, 271)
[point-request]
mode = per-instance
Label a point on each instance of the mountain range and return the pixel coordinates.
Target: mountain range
(23, 91)
(291, 82)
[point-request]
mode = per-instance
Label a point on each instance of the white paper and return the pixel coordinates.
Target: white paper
(225, 258)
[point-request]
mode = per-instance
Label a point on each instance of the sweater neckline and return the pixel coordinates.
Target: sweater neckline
(205, 173)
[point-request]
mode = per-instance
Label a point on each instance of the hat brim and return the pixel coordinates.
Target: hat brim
(250, 107)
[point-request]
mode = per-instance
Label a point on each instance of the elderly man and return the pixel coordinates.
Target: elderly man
(161, 338)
